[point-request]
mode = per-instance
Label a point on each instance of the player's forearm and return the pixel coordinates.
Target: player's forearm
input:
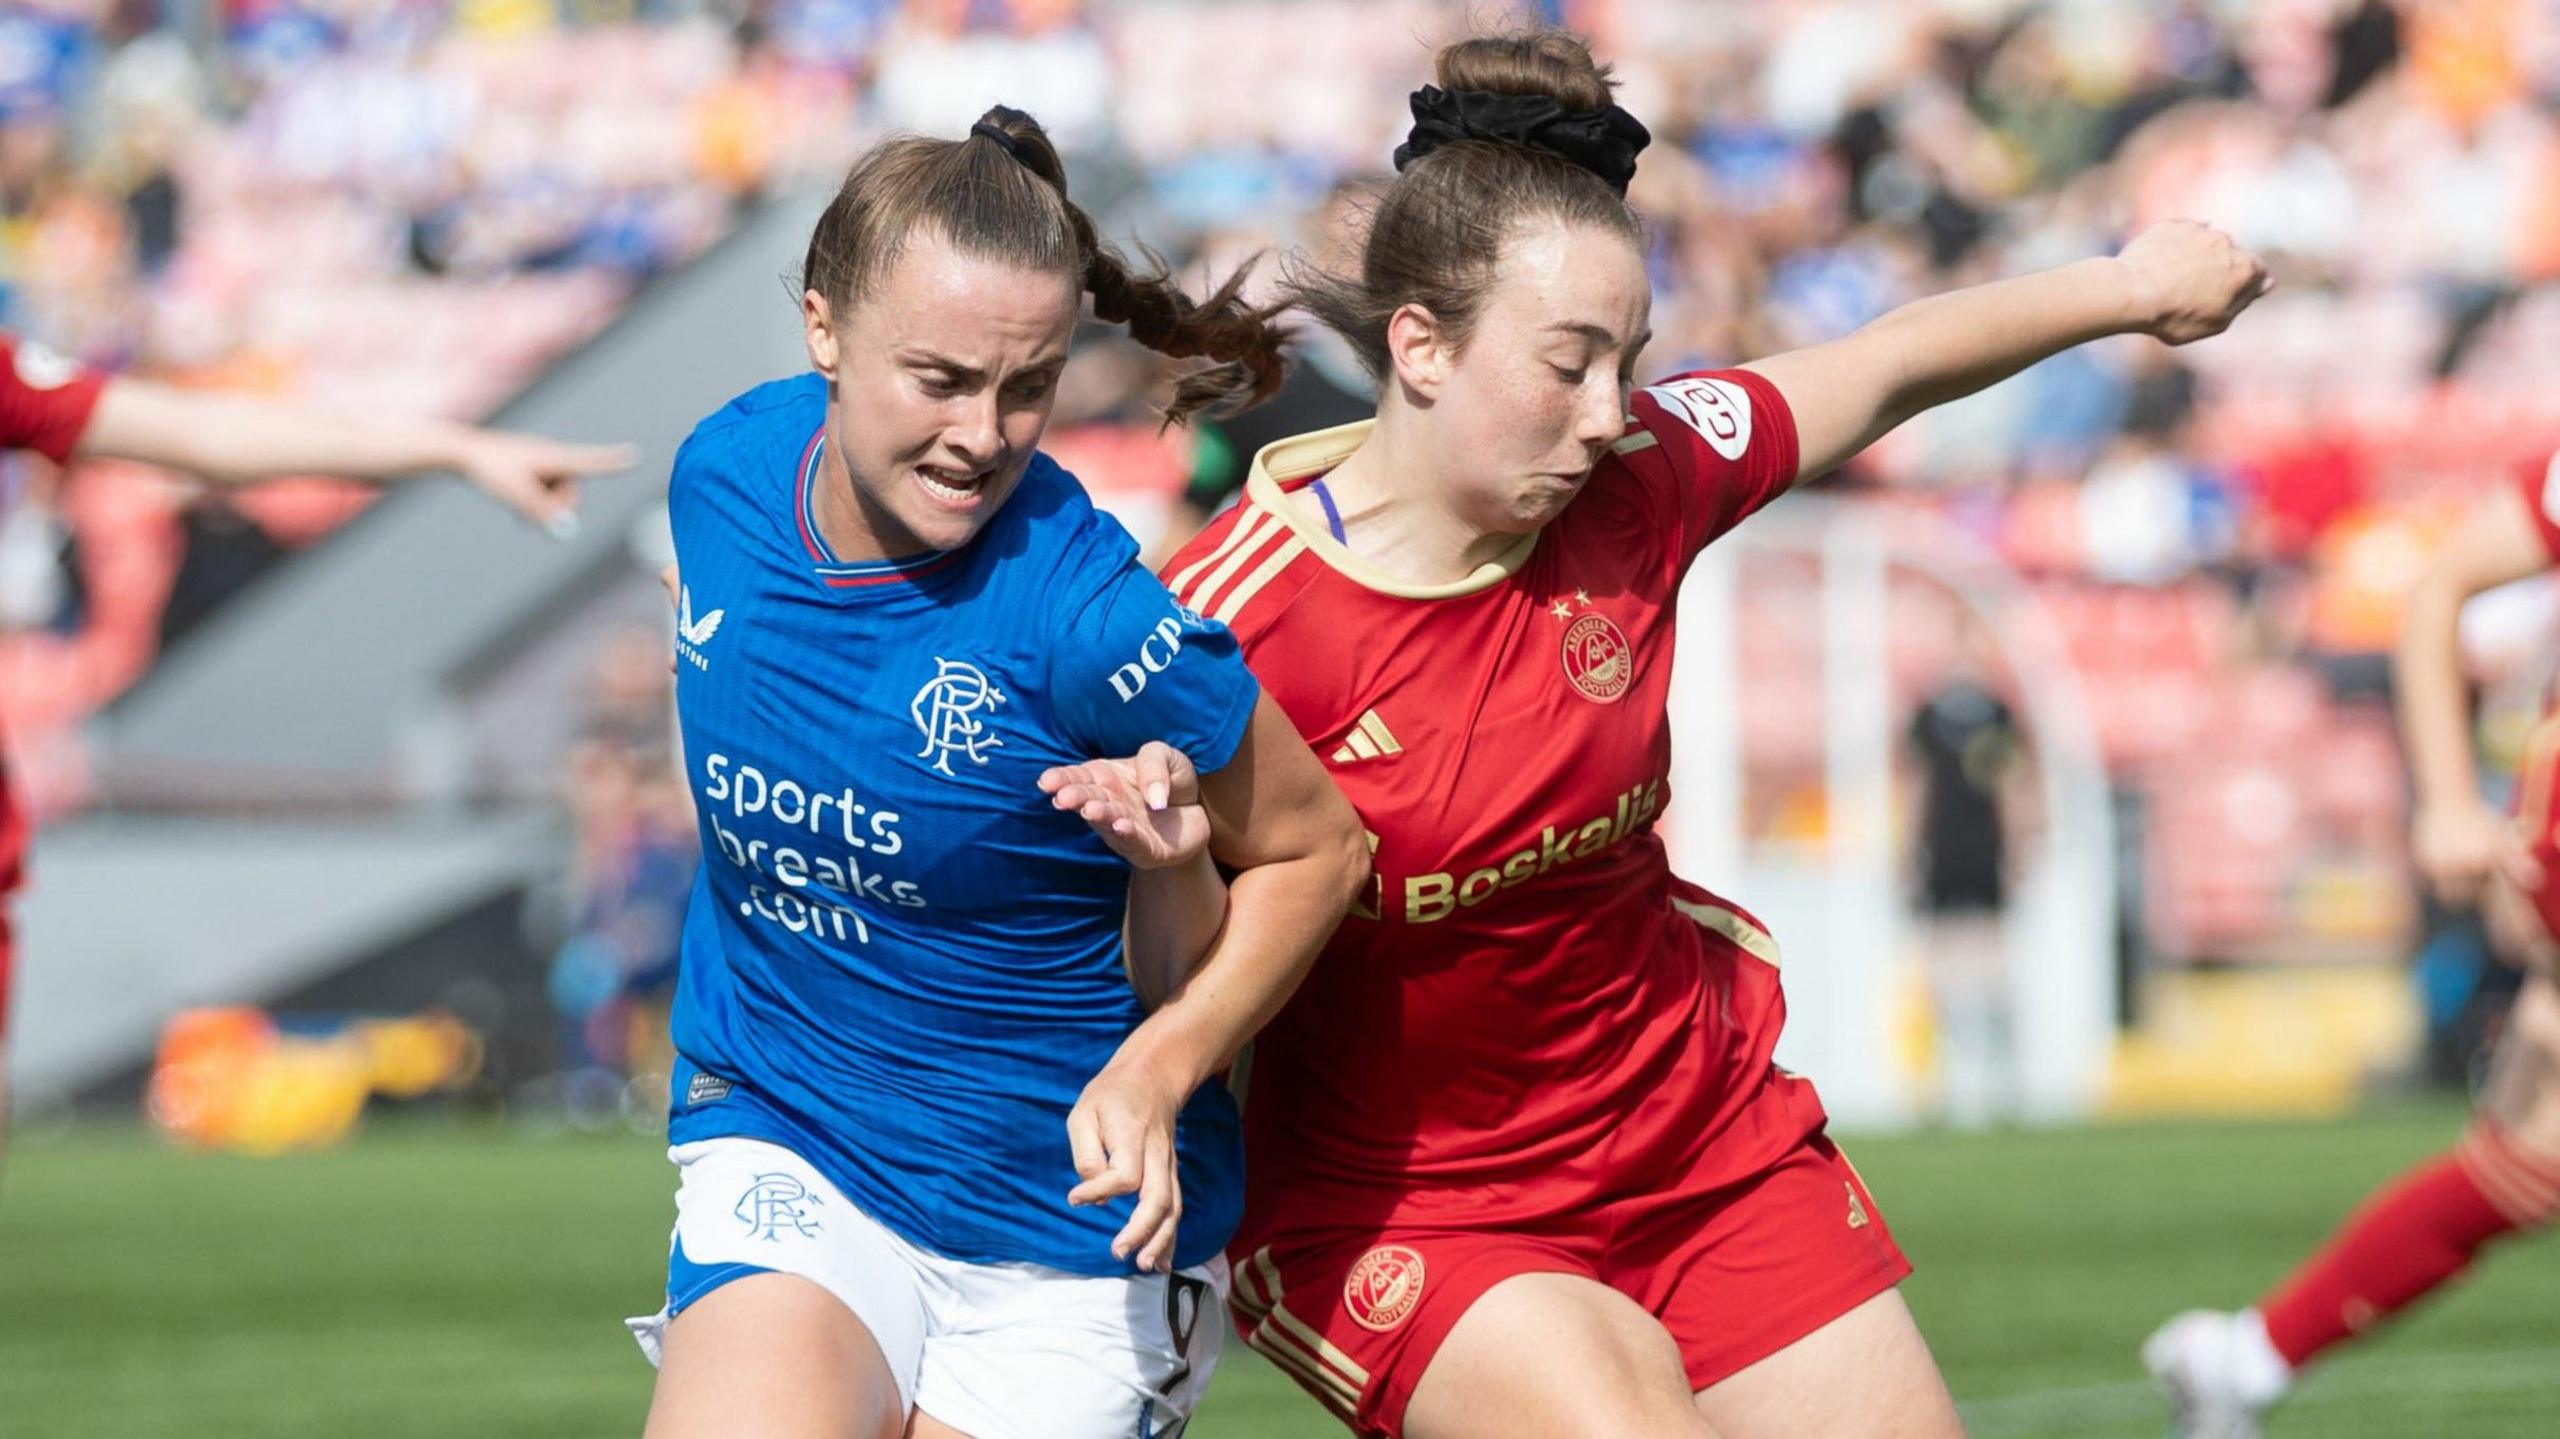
(231, 440)
(1175, 914)
(1846, 394)
(1952, 345)
(1279, 916)
(257, 442)
(2426, 674)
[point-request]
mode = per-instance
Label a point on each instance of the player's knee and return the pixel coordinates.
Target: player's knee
(2534, 1020)
(1602, 1411)
(1683, 1422)
(1555, 1357)
(1625, 1394)
(2516, 1171)
(2521, 1101)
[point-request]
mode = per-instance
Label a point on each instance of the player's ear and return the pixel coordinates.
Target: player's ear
(818, 327)
(1418, 349)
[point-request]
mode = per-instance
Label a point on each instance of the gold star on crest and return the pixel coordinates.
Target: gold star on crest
(1561, 609)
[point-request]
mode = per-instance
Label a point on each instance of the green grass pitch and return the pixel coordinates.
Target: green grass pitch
(440, 1280)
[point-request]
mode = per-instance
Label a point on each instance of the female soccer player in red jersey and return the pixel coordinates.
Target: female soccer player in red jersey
(64, 411)
(1518, 1160)
(2414, 1235)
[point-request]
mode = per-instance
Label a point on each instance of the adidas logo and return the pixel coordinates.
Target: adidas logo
(1368, 739)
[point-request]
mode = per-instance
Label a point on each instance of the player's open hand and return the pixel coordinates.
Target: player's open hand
(537, 477)
(2192, 279)
(2461, 847)
(1121, 1132)
(1146, 807)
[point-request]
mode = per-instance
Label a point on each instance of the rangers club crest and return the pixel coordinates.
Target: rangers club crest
(1597, 658)
(1383, 1287)
(946, 712)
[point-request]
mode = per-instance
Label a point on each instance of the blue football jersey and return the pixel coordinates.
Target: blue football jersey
(899, 961)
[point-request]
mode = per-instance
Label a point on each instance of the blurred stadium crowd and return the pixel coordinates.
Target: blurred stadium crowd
(418, 204)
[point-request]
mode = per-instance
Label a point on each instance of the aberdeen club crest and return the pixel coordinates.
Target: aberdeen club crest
(1383, 1288)
(1597, 658)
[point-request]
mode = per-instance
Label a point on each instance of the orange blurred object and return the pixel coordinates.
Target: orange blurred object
(232, 1079)
(197, 1078)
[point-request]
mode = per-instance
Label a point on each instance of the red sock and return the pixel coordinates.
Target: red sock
(2409, 1239)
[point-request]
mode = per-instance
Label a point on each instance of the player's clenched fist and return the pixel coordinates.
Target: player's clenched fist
(2191, 280)
(2460, 847)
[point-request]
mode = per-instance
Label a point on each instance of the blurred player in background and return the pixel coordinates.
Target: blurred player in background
(67, 412)
(2413, 1236)
(940, 1171)
(1520, 1163)
(1973, 804)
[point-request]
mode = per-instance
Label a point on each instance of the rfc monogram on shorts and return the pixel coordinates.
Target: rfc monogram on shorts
(1383, 1288)
(776, 1202)
(1597, 657)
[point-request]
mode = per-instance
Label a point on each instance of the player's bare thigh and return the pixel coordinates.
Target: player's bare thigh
(1555, 1356)
(1864, 1375)
(2522, 1093)
(777, 1357)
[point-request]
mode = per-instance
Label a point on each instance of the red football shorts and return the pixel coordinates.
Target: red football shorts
(1736, 1274)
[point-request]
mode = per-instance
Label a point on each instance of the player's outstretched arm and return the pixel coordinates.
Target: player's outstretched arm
(2459, 841)
(2179, 281)
(1148, 809)
(231, 439)
(1299, 860)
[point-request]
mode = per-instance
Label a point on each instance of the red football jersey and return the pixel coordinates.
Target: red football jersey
(2539, 484)
(2538, 778)
(45, 402)
(1528, 1008)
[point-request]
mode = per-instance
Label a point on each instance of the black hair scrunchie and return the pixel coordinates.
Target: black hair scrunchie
(1605, 141)
(997, 134)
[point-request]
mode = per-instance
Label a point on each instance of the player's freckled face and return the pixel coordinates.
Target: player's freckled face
(943, 379)
(1539, 391)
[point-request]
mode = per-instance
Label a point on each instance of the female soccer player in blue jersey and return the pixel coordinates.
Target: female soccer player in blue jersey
(926, 1134)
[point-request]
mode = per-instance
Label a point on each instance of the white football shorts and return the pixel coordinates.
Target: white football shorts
(997, 1351)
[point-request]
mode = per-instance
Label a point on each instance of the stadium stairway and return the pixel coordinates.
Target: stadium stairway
(369, 738)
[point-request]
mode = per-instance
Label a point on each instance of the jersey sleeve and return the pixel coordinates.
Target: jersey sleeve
(2539, 483)
(45, 400)
(1728, 442)
(1129, 665)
